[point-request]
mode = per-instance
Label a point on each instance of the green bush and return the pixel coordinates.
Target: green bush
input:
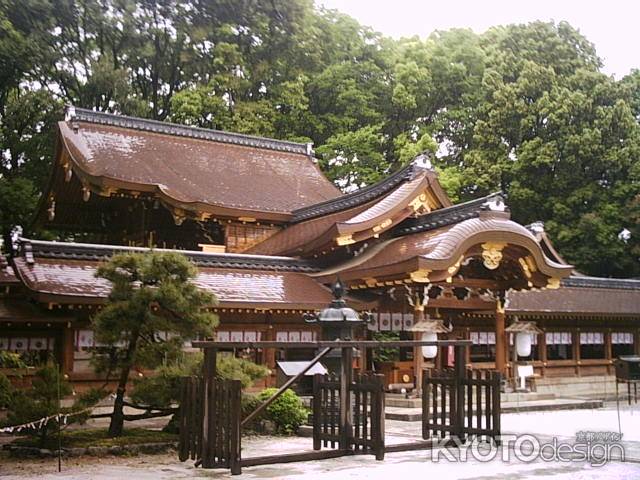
(11, 360)
(163, 387)
(386, 354)
(41, 400)
(6, 391)
(287, 412)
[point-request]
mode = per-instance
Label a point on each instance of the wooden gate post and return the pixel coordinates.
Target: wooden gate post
(317, 407)
(458, 391)
(378, 421)
(235, 405)
(208, 407)
(346, 423)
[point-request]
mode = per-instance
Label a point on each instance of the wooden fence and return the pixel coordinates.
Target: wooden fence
(461, 404)
(368, 414)
(210, 422)
(367, 419)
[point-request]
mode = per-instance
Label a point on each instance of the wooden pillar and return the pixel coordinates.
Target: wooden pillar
(209, 371)
(636, 341)
(418, 360)
(575, 345)
(460, 374)
(608, 350)
(501, 360)
(467, 351)
(542, 350)
(346, 373)
(67, 350)
(270, 353)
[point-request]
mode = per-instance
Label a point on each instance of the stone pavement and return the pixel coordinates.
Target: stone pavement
(544, 425)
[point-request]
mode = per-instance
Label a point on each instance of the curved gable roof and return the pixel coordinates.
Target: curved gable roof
(192, 168)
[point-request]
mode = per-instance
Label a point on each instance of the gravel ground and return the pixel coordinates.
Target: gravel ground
(545, 425)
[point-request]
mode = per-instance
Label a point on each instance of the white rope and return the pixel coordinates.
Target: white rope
(41, 422)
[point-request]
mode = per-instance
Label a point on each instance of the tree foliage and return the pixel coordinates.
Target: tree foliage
(521, 108)
(154, 306)
(163, 387)
(42, 400)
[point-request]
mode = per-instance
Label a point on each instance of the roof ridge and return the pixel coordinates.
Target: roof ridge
(176, 129)
(358, 197)
(96, 252)
(602, 282)
(446, 216)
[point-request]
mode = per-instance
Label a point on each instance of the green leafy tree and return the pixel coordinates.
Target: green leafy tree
(152, 294)
(163, 387)
(42, 400)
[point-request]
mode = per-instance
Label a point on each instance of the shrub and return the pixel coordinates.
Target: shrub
(6, 391)
(11, 360)
(41, 400)
(287, 412)
(163, 387)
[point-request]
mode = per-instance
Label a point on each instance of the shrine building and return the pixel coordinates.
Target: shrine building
(269, 233)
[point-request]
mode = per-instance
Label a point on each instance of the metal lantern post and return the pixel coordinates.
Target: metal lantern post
(339, 322)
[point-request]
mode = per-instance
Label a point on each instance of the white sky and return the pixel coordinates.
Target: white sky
(612, 25)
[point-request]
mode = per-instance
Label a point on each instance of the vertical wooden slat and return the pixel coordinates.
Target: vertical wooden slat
(219, 424)
(193, 424)
(380, 401)
(325, 405)
(496, 406)
(366, 412)
(183, 453)
(478, 400)
(317, 407)
(235, 408)
(488, 404)
(356, 418)
(469, 393)
(443, 407)
(426, 415)
(333, 412)
(435, 415)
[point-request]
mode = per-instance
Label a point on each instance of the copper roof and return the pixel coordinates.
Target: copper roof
(439, 249)
(7, 275)
(74, 281)
(576, 301)
(372, 192)
(387, 204)
(194, 169)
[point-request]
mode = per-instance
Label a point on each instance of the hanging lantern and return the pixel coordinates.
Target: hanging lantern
(523, 343)
(429, 351)
(523, 333)
(430, 329)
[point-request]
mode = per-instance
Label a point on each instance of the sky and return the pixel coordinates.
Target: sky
(612, 25)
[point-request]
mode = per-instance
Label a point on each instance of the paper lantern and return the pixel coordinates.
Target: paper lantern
(429, 351)
(523, 343)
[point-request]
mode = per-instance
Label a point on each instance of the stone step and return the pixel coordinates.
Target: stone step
(415, 414)
(401, 402)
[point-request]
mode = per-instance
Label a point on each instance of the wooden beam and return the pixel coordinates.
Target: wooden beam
(294, 457)
(330, 344)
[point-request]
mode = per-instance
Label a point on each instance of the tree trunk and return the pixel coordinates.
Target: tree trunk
(117, 418)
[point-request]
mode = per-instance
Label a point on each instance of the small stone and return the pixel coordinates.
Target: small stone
(98, 451)
(76, 452)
